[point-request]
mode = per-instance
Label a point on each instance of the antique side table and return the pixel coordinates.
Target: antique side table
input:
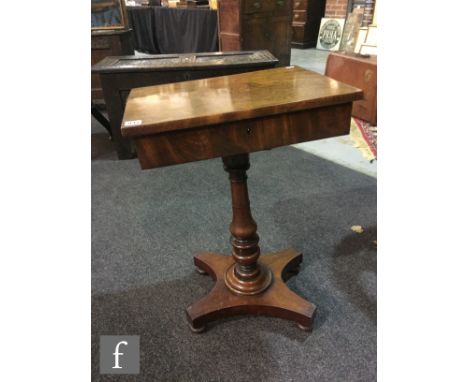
(229, 117)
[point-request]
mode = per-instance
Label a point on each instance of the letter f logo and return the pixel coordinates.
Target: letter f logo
(117, 354)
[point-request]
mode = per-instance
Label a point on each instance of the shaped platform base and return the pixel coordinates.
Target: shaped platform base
(276, 301)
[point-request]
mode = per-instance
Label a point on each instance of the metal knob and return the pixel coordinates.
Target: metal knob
(256, 4)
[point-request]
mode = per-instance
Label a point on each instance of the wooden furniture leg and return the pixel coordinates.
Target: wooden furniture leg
(247, 283)
(101, 119)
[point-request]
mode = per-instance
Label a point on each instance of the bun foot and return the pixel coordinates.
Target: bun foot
(200, 271)
(305, 328)
(201, 329)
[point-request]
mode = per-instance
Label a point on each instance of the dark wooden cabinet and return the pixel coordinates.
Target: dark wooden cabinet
(307, 15)
(121, 74)
(256, 24)
(107, 43)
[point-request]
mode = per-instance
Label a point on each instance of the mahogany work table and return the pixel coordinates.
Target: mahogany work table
(229, 117)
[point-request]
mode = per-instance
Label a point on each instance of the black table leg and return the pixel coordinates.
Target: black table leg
(101, 119)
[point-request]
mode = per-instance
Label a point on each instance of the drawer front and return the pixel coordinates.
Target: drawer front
(254, 6)
(242, 137)
(300, 5)
(270, 33)
(261, 6)
(281, 6)
(298, 33)
(299, 17)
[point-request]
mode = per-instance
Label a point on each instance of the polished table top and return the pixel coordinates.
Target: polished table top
(185, 105)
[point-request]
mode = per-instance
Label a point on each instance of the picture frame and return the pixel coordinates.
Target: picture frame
(351, 30)
(368, 50)
(361, 39)
(369, 46)
(371, 37)
(108, 15)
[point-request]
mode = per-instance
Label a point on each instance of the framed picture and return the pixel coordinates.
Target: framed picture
(108, 14)
(351, 30)
(371, 38)
(361, 39)
(331, 31)
(368, 50)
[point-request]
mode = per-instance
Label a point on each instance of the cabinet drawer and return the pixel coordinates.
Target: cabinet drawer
(299, 17)
(300, 5)
(276, 6)
(246, 136)
(298, 33)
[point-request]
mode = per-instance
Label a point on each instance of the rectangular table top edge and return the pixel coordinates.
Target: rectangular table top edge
(210, 120)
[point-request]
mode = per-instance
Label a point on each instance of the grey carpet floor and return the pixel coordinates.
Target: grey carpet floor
(146, 225)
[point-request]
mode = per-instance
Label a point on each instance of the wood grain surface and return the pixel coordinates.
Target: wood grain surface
(182, 146)
(186, 105)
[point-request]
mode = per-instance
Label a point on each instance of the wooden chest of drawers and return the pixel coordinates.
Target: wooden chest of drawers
(307, 15)
(256, 24)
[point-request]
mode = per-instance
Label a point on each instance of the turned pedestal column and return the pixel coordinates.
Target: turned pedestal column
(247, 283)
(246, 276)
